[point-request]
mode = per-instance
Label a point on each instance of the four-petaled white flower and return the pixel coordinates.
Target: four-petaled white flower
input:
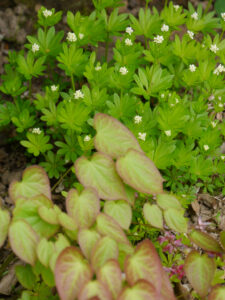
(214, 48)
(158, 39)
(54, 88)
(219, 69)
(78, 94)
(142, 136)
(194, 16)
(129, 30)
(137, 119)
(123, 70)
(35, 47)
(168, 132)
(191, 34)
(192, 68)
(81, 36)
(220, 104)
(213, 123)
(47, 13)
(98, 68)
(165, 28)
(36, 130)
(222, 157)
(71, 37)
(176, 7)
(87, 138)
(128, 42)
(206, 147)
(223, 16)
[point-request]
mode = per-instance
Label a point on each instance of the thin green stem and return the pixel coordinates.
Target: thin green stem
(107, 47)
(61, 178)
(72, 82)
(208, 6)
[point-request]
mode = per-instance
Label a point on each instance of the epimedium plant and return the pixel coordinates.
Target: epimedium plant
(168, 90)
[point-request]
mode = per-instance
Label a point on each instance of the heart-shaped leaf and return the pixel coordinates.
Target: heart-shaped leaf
(167, 289)
(48, 214)
(45, 250)
(120, 211)
(141, 290)
(200, 271)
(205, 241)
(112, 137)
(87, 238)
(23, 240)
(138, 171)
(166, 201)
(72, 271)
(217, 293)
(34, 182)
(99, 173)
(153, 215)
(4, 222)
(83, 207)
(94, 290)
(175, 220)
(67, 222)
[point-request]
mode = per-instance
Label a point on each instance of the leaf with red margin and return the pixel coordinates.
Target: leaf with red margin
(153, 215)
(100, 174)
(175, 220)
(200, 271)
(67, 222)
(166, 289)
(112, 137)
(104, 250)
(205, 241)
(111, 276)
(87, 238)
(72, 271)
(222, 239)
(23, 240)
(138, 171)
(144, 264)
(83, 207)
(94, 290)
(141, 290)
(120, 211)
(4, 222)
(34, 182)
(106, 225)
(217, 293)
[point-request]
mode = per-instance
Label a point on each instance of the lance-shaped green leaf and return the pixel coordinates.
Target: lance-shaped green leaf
(94, 290)
(71, 272)
(138, 171)
(4, 223)
(144, 264)
(153, 215)
(112, 137)
(106, 225)
(83, 207)
(141, 290)
(45, 250)
(23, 240)
(34, 182)
(111, 276)
(87, 239)
(222, 239)
(104, 250)
(200, 271)
(205, 241)
(99, 173)
(120, 211)
(175, 220)
(166, 201)
(217, 293)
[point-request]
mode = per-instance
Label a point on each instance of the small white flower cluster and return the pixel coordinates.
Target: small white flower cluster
(191, 34)
(87, 138)
(192, 68)
(223, 16)
(194, 16)
(47, 13)
(78, 94)
(213, 123)
(71, 37)
(164, 28)
(220, 105)
(222, 157)
(137, 119)
(176, 7)
(168, 132)
(36, 130)
(98, 68)
(219, 69)
(81, 36)
(54, 88)
(35, 47)
(214, 48)
(206, 147)
(158, 39)
(129, 30)
(123, 70)
(142, 136)
(128, 42)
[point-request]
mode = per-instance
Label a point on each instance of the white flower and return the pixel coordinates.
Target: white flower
(222, 157)
(206, 147)
(158, 39)
(194, 16)
(213, 124)
(169, 94)
(177, 101)
(192, 68)
(214, 48)
(219, 98)
(172, 104)
(123, 70)
(165, 28)
(129, 30)
(35, 47)
(142, 136)
(168, 132)
(219, 69)
(78, 94)
(162, 95)
(36, 130)
(71, 37)
(128, 42)
(191, 34)
(223, 16)
(98, 68)
(220, 104)
(137, 119)
(54, 88)
(81, 36)
(212, 97)
(176, 7)
(47, 13)
(87, 138)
